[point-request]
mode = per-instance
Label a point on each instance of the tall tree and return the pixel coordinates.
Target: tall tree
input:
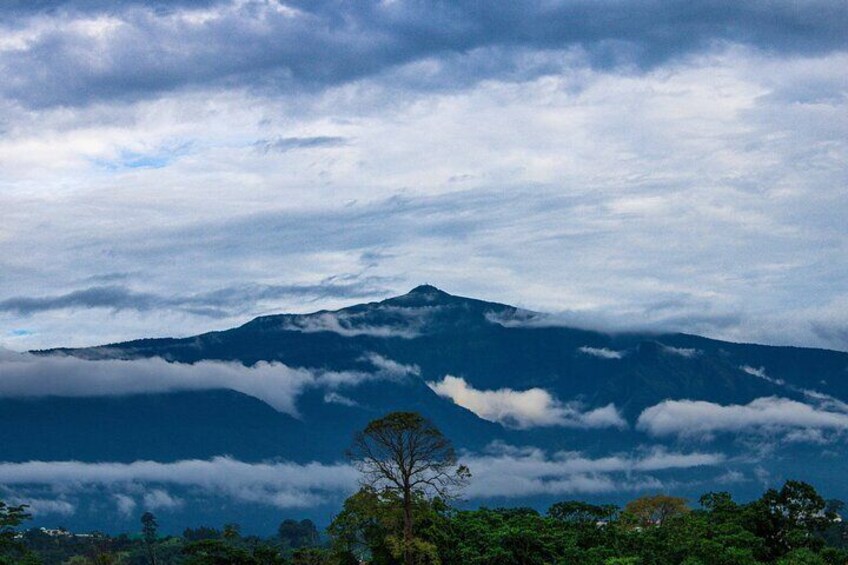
(655, 510)
(149, 531)
(405, 453)
(788, 519)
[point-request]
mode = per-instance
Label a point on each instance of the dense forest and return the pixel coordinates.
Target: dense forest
(402, 514)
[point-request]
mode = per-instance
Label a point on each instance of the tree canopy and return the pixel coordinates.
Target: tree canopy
(405, 455)
(792, 525)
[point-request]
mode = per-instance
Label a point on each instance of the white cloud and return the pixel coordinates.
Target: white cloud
(517, 318)
(695, 418)
(730, 477)
(525, 409)
(822, 400)
(601, 352)
(825, 401)
(517, 472)
(760, 373)
(546, 189)
(285, 485)
(807, 435)
(753, 371)
(41, 506)
(682, 351)
(27, 375)
(336, 398)
(391, 367)
(159, 499)
(126, 504)
(504, 471)
(340, 324)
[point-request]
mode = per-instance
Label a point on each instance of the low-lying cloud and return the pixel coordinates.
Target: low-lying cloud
(760, 373)
(515, 472)
(281, 484)
(773, 415)
(821, 400)
(26, 375)
(340, 324)
(38, 506)
(601, 352)
(379, 320)
(530, 408)
(686, 352)
(502, 471)
(159, 499)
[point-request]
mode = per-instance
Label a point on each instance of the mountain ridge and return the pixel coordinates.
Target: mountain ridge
(425, 295)
(403, 328)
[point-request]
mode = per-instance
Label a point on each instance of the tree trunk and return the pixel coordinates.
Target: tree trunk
(407, 527)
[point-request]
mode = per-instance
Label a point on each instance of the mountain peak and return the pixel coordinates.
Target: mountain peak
(427, 289)
(424, 295)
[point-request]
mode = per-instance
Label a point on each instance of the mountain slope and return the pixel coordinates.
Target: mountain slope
(495, 346)
(543, 410)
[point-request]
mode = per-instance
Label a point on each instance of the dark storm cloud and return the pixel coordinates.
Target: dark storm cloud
(218, 303)
(157, 46)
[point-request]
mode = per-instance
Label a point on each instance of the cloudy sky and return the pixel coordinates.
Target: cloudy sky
(172, 167)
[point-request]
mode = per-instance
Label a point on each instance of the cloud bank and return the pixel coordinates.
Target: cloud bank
(601, 352)
(304, 46)
(284, 485)
(26, 375)
(343, 325)
(686, 352)
(504, 471)
(517, 472)
(530, 408)
(770, 415)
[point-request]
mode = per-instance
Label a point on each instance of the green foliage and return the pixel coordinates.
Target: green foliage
(790, 526)
(503, 536)
(311, 556)
(802, 556)
(370, 526)
(216, 552)
(652, 530)
(788, 519)
(409, 459)
(359, 531)
(577, 512)
(296, 534)
(225, 552)
(201, 533)
(149, 527)
(149, 532)
(657, 510)
(11, 550)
